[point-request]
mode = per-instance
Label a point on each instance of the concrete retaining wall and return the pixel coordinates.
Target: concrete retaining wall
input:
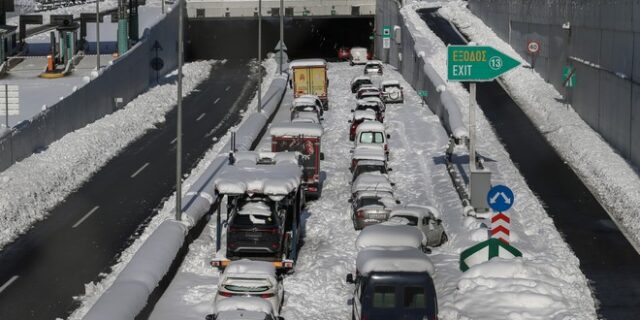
(126, 78)
(604, 34)
(409, 56)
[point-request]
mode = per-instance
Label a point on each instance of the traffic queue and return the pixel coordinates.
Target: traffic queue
(265, 193)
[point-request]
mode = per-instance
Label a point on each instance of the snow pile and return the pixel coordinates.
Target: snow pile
(512, 289)
(611, 179)
(393, 259)
(381, 235)
(204, 287)
(35, 185)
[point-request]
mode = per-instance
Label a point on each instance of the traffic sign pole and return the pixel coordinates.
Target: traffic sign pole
(472, 126)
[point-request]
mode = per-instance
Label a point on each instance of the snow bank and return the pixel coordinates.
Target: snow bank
(609, 176)
(32, 187)
(514, 289)
(381, 235)
(197, 201)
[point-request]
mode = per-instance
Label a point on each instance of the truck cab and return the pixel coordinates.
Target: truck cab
(304, 138)
(393, 284)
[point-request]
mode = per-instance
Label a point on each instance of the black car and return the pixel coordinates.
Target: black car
(358, 82)
(256, 229)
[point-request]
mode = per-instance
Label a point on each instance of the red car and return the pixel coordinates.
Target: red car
(343, 54)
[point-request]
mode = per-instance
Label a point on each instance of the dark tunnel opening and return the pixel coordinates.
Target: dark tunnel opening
(305, 37)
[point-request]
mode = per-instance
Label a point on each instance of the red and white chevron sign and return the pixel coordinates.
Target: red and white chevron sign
(500, 227)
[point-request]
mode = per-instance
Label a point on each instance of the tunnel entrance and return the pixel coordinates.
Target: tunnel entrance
(305, 37)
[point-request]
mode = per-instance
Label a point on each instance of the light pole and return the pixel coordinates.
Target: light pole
(281, 32)
(259, 55)
(179, 116)
(98, 35)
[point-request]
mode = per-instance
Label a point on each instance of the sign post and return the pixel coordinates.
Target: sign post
(476, 64)
(386, 41)
(500, 198)
(533, 48)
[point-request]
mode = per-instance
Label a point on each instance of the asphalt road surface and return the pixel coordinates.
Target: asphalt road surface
(607, 259)
(45, 268)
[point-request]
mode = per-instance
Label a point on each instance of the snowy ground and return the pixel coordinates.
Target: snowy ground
(611, 179)
(33, 186)
(94, 290)
(545, 284)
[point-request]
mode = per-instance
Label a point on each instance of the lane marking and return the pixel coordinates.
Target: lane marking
(85, 216)
(200, 117)
(227, 88)
(8, 283)
(217, 99)
(139, 170)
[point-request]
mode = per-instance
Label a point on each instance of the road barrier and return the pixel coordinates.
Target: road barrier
(129, 293)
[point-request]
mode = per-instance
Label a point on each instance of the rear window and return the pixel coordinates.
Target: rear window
(246, 285)
(369, 202)
(415, 297)
(413, 221)
(384, 297)
(260, 219)
(371, 137)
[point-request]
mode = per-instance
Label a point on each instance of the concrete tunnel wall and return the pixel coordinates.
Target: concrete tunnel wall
(605, 34)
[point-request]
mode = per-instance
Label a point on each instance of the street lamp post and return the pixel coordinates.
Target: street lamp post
(281, 32)
(259, 55)
(98, 35)
(179, 115)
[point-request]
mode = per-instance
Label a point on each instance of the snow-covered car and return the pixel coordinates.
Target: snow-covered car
(306, 117)
(426, 219)
(395, 283)
(243, 308)
(371, 207)
(360, 116)
(360, 81)
(370, 166)
(392, 91)
(247, 278)
(358, 55)
(374, 99)
(372, 133)
(364, 104)
(306, 103)
(371, 182)
(370, 152)
(388, 235)
(373, 67)
(368, 91)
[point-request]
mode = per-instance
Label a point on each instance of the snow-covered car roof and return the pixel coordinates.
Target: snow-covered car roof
(369, 152)
(250, 269)
(305, 100)
(307, 63)
(371, 182)
(371, 163)
(381, 235)
(246, 176)
(369, 101)
(306, 117)
(253, 304)
(390, 83)
(374, 62)
(370, 126)
(393, 259)
(415, 211)
(366, 114)
(296, 129)
(368, 87)
(255, 208)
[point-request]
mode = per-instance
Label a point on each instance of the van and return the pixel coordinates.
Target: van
(393, 283)
(309, 77)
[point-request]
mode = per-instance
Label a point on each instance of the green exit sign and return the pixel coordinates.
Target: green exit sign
(423, 93)
(477, 63)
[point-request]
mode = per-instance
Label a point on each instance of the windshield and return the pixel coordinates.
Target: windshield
(246, 285)
(413, 221)
(371, 137)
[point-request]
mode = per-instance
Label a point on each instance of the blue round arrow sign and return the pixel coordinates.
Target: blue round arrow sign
(500, 198)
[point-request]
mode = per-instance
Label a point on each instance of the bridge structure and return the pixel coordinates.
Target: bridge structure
(292, 8)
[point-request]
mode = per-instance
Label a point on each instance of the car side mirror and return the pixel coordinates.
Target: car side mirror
(388, 136)
(389, 169)
(350, 278)
(349, 121)
(393, 184)
(398, 202)
(352, 110)
(351, 151)
(321, 155)
(350, 200)
(210, 317)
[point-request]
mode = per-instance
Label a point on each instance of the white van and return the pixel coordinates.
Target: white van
(358, 55)
(372, 133)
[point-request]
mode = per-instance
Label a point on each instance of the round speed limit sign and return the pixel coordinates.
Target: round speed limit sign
(533, 47)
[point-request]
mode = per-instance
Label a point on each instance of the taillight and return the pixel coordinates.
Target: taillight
(353, 163)
(266, 295)
(386, 147)
(360, 214)
(274, 245)
(225, 294)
